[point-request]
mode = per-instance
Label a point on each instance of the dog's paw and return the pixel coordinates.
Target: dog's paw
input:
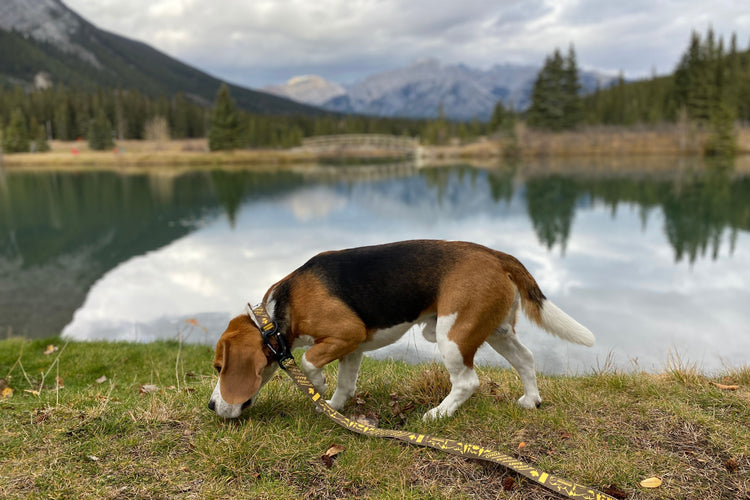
(335, 404)
(435, 414)
(529, 401)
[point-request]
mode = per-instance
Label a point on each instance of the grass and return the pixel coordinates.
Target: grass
(145, 431)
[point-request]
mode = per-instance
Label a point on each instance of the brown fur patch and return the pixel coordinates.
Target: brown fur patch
(334, 327)
(478, 289)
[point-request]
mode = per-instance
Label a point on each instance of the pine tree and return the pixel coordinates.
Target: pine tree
(15, 135)
(502, 119)
(224, 128)
(100, 132)
(573, 107)
(555, 100)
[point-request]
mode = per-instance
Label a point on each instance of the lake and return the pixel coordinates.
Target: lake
(656, 262)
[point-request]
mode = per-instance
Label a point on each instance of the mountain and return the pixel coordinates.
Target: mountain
(44, 38)
(425, 87)
(310, 89)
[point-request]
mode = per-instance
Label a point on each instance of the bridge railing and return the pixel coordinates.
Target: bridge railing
(334, 143)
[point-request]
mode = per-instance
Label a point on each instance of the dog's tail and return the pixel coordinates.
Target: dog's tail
(541, 310)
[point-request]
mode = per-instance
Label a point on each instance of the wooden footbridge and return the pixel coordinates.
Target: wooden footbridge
(361, 145)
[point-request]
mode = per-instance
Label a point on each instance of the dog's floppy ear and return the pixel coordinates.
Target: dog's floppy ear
(242, 364)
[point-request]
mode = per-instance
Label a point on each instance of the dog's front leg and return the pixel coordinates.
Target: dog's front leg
(314, 373)
(322, 353)
(346, 383)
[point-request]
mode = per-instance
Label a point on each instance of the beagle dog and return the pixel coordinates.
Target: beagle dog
(344, 303)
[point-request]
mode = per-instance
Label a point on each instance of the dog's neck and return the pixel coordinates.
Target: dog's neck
(275, 304)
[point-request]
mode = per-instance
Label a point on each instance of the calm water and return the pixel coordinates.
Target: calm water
(656, 265)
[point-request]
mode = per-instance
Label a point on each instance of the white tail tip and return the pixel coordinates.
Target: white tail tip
(556, 322)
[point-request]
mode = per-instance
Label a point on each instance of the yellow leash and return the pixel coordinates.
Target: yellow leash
(549, 481)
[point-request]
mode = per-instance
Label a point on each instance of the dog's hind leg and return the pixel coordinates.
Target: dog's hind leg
(464, 380)
(346, 383)
(505, 341)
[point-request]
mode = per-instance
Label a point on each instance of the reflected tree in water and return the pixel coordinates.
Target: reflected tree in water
(698, 210)
(551, 203)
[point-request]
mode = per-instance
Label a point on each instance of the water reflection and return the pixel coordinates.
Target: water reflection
(650, 262)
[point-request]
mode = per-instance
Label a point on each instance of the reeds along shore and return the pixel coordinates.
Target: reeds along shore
(592, 142)
(668, 139)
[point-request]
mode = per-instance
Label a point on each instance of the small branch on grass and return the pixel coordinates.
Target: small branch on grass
(177, 360)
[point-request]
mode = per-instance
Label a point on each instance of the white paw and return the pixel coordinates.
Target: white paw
(335, 404)
(435, 414)
(529, 401)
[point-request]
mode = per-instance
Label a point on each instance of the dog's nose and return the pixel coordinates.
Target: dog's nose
(212, 405)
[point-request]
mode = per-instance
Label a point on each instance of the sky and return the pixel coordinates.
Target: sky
(261, 42)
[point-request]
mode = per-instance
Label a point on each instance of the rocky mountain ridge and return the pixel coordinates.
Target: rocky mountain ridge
(427, 88)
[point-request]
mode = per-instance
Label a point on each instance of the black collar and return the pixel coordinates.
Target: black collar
(269, 330)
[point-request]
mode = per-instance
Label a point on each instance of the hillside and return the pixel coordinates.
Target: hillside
(45, 36)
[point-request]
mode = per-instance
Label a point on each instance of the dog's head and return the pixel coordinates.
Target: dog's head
(243, 367)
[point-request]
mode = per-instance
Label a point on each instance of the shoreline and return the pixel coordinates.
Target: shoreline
(592, 144)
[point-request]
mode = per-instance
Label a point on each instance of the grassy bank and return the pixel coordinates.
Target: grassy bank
(116, 420)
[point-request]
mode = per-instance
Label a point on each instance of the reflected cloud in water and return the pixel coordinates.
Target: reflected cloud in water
(618, 262)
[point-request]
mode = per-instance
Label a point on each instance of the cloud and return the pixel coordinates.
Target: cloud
(267, 41)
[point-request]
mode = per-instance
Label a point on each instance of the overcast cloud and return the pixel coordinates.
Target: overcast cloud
(260, 42)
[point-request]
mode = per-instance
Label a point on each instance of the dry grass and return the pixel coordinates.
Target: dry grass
(593, 142)
(610, 429)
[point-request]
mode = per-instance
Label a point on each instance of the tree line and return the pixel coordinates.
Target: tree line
(28, 119)
(710, 78)
(709, 90)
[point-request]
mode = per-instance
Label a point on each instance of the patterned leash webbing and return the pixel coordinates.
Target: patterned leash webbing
(549, 481)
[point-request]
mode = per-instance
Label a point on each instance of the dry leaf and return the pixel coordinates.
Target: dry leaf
(33, 393)
(93, 458)
(331, 453)
(101, 379)
(60, 382)
(50, 349)
(334, 450)
(725, 387)
(566, 435)
(194, 322)
(652, 482)
(522, 444)
(145, 389)
(5, 390)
